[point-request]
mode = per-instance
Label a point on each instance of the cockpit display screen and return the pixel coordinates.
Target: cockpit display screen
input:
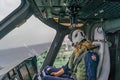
(30, 68)
(11, 73)
(24, 73)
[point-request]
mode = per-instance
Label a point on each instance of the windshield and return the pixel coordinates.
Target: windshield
(32, 38)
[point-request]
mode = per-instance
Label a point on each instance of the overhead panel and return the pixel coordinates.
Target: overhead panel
(87, 9)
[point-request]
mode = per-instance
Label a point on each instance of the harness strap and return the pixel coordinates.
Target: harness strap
(79, 58)
(77, 61)
(75, 64)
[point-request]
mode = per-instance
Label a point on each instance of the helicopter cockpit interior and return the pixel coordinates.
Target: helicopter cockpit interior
(99, 19)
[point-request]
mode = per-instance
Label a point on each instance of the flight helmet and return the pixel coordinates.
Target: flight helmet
(77, 36)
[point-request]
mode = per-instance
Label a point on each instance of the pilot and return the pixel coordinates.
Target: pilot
(82, 64)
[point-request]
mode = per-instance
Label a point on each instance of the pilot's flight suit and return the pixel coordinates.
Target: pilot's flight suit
(86, 68)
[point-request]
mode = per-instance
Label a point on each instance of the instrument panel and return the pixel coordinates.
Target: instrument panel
(26, 70)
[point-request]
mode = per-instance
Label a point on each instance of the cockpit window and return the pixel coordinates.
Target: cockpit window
(32, 38)
(7, 6)
(62, 57)
(64, 53)
(41, 58)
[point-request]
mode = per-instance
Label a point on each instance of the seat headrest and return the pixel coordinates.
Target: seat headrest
(99, 34)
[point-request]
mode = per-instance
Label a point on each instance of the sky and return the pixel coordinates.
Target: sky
(30, 33)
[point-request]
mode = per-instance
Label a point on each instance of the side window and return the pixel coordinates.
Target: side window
(40, 59)
(64, 53)
(62, 57)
